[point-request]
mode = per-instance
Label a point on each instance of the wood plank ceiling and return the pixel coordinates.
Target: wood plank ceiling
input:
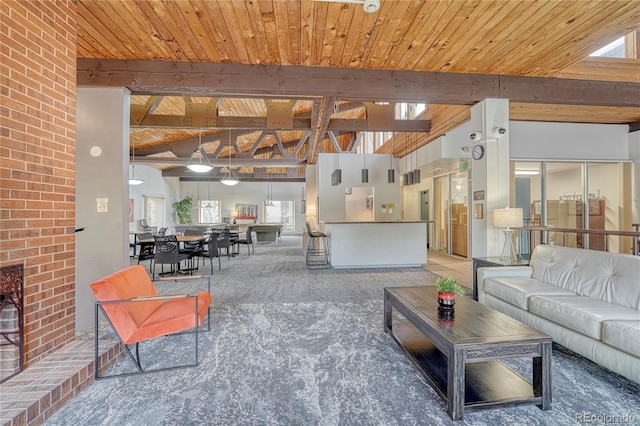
(505, 37)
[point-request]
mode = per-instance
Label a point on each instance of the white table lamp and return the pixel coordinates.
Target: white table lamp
(507, 219)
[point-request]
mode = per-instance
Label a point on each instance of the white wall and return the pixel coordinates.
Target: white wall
(332, 204)
(568, 141)
(157, 186)
(246, 193)
(102, 120)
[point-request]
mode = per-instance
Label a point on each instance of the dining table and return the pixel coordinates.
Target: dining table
(180, 238)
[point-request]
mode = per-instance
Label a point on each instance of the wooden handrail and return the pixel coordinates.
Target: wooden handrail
(635, 235)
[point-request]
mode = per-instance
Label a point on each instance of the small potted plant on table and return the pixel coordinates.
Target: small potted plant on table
(448, 288)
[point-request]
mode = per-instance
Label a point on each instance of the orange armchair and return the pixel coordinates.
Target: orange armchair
(136, 312)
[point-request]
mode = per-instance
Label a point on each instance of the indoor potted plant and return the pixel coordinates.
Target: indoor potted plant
(183, 210)
(448, 288)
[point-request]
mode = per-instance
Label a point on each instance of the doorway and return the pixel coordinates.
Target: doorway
(451, 202)
(424, 211)
(441, 214)
(459, 213)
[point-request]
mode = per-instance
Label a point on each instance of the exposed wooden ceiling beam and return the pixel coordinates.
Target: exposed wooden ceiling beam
(224, 161)
(139, 112)
(185, 147)
(320, 118)
(292, 175)
(298, 123)
(213, 79)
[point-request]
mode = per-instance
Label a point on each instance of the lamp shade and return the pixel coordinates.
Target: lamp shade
(199, 162)
(365, 175)
(391, 176)
(507, 218)
(230, 178)
(336, 177)
(416, 176)
(134, 179)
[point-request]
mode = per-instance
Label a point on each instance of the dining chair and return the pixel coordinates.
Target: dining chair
(224, 242)
(212, 250)
(168, 253)
(247, 240)
(194, 247)
(147, 248)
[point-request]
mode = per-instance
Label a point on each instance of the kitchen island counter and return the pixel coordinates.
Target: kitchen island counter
(382, 244)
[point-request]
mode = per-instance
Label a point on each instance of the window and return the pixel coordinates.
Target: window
(154, 210)
(615, 49)
(575, 195)
(409, 111)
(209, 211)
(280, 212)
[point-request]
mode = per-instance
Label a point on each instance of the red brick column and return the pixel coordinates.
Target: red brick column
(37, 164)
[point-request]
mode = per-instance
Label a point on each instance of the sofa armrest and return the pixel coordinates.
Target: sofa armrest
(498, 272)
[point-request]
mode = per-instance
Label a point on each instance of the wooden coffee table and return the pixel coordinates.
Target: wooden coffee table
(458, 356)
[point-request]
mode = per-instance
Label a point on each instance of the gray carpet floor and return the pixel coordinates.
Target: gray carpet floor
(289, 346)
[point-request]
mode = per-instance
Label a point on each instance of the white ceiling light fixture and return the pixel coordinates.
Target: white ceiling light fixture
(369, 6)
(196, 163)
(527, 172)
(133, 178)
(229, 179)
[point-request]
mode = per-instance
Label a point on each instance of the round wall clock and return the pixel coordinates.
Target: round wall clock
(477, 152)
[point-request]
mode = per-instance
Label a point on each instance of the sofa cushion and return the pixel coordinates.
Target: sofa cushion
(579, 313)
(516, 291)
(611, 277)
(623, 335)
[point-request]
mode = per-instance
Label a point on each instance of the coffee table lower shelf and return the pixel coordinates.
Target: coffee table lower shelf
(488, 384)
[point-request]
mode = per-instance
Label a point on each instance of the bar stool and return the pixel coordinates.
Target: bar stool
(317, 249)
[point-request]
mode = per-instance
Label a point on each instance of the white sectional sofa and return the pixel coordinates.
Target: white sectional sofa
(586, 300)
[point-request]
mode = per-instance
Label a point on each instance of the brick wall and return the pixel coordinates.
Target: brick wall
(37, 164)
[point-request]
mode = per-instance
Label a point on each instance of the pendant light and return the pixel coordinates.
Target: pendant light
(365, 171)
(196, 163)
(407, 178)
(269, 202)
(391, 172)
(198, 203)
(416, 171)
(208, 206)
(133, 178)
(336, 175)
(230, 178)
